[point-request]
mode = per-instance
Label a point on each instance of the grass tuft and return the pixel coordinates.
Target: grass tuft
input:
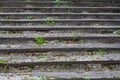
(29, 17)
(101, 51)
(87, 78)
(49, 21)
(117, 32)
(3, 61)
(28, 0)
(41, 77)
(39, 40)
(58, 2)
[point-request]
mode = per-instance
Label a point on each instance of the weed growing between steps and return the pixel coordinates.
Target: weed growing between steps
(104, 31)
(28, 0)
(7, 17)
(29, 17)
(101, 51)
(49, 21)
(75, 39)
(5, 69)
(10, 32)
(41, 77)
(87, 78)
(58, 2)
(42, 56)
(39, 40)
(117, 32)
(2, 61)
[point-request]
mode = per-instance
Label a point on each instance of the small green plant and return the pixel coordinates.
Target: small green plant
(101, 51)
(5, 69)
(58, 2)
(34, 79)
(10, 32)
(75, 39)
(28, 0)
(50, 21)
(87, 78)
(104, 31)
(29, 17)
(7, 17)
(31, 67)
(41, 77)
(73, 34)
(97, 24)
(3, 32)
(42, 56)
(3, 61)
(39, 40)
(117, 32)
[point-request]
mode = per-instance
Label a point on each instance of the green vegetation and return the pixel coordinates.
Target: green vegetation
(10, 32)
(31, 67)
(42, 56)
(50, 21)
(41, 77)
(75, 39)
(29, 17)
(28, 0)
(58, 2)
(117, 32)
(87, 78)
(97, 24)
(101, 51)
(34, 79)
(53, 77)
(2, 61)
(39, 40)
(5, 69)
(104, 31)
(7, 17)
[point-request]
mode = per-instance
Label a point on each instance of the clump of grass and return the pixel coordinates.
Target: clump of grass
(28, 0)
(87, 78)
(49, 21)
(39, 40)
(7, 17)
(4, 32)
(75, 39)
(117, 32)
(104, 31)
(5, 69)
(97, 24)
(101, 51)
(31, 67)
(42, 56)
(3, 61)
(29, 17)
(58, 2)
(41, 77)
(34, 79)
(10, 32)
